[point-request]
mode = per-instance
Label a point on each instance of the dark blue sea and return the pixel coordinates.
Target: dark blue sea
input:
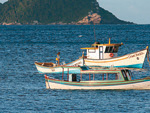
(22, 88)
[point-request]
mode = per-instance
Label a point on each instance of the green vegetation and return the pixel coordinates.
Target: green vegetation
(53, 11)
(0, 6)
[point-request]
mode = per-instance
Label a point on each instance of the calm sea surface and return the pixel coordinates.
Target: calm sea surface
(22, 88)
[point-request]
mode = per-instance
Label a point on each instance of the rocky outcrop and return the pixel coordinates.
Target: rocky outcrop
(90, 19)
(12, 23)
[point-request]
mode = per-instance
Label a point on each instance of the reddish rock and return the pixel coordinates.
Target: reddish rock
(91, 19)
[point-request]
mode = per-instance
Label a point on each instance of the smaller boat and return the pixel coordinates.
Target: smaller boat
(98, 79)
(53, 68)
(49, 67)
(57, 68)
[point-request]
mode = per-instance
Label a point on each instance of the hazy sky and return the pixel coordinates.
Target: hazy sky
(3, 1)
(137, 11)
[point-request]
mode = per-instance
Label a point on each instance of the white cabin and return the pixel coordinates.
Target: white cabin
(102, 51)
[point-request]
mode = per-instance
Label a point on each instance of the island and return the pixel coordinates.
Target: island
(51, 12)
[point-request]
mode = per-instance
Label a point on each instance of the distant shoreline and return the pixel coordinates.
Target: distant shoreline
(68, 24)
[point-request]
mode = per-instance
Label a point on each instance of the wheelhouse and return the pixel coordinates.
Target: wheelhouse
(102, 51)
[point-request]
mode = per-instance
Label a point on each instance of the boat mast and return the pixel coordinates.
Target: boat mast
(94, 33)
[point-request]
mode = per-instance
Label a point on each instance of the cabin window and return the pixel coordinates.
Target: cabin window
(92, 50)
(124, 75)
(115, 49)
(107, 50)
(112, 76)
(111, 49)
(128, 73)
(102, 76)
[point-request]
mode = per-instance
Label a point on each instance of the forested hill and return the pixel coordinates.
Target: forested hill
(53, 12)
(0, 6)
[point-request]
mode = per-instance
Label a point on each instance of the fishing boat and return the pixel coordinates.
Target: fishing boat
(45, 67)
(105, 55)
(98, 79)
(48, 68)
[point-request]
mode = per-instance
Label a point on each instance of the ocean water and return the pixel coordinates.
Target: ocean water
(22, 88)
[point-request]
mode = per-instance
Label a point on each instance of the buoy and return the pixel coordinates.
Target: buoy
(111, 55)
